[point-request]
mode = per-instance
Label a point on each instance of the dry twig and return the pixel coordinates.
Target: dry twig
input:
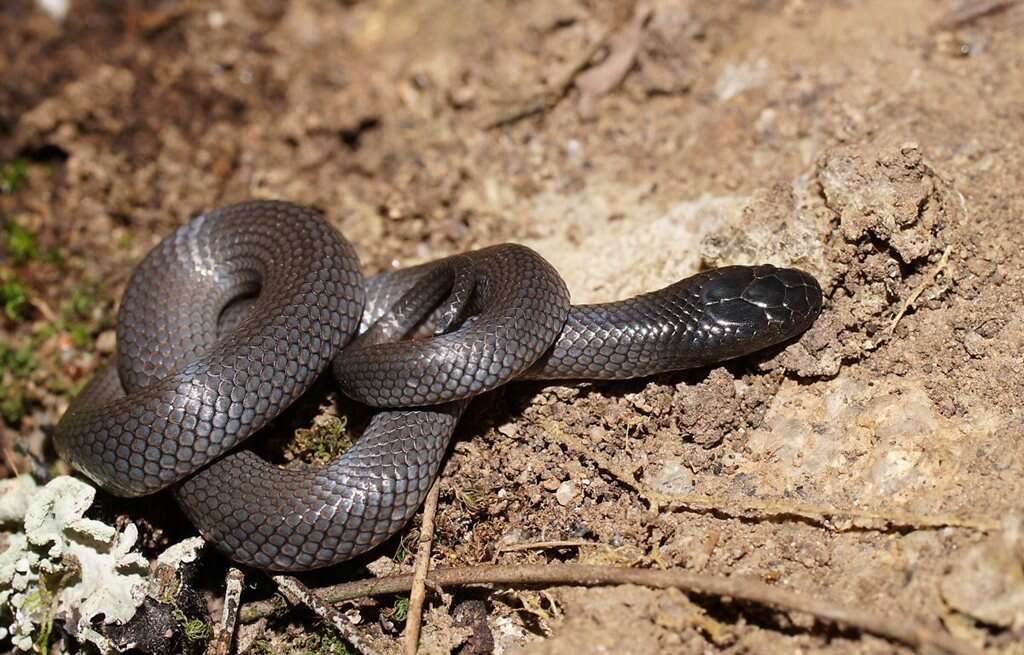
(902, 630)
(221, 645)
(545, 545)
(43, 308)
(969, 12)
(9, 461)
(833, 518)
(139, 22)
(298, 593)
(916, 293)
(547, 99)
(418, 593)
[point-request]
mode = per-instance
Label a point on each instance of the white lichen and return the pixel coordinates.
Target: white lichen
(19, 583)
(15, 496)
(59, 565)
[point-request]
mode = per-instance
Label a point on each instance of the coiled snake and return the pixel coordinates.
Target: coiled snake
(234, 316)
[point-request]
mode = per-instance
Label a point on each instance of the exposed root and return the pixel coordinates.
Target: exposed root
(902, 630)
(547, 545)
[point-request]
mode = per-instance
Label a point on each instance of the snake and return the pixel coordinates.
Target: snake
(236, 314)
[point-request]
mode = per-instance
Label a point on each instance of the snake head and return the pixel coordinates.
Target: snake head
(760, 305)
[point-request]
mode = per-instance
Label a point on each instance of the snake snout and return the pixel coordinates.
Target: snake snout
(787, 295)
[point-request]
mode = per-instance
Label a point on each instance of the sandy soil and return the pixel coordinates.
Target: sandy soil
(878, 462)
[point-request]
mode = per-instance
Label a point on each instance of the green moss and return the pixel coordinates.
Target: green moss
(81, 334)
(77, 316)
(196, 630)
(13, 176)
(40, 603)
(324, 644)
(12, 405)
(21, 243)
(406, 547)
(325, 441)
(77, 320)
(79, 305)
(401, 609)
(13, 297)
(19, 362)
(475, 499)
(16, 364)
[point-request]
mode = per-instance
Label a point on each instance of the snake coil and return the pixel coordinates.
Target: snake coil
(230, 319)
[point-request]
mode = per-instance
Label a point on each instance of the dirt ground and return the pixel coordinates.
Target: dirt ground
(878, 462)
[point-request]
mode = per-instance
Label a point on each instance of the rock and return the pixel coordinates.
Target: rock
(987, 583)
(672, 479)
(566, 492)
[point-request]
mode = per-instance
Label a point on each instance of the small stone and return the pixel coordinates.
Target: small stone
(550, 484)
(566, 492)
(461, 97)
(509, 430)
(106, 342)
(383, 566)
(975, 345)
(673, 479)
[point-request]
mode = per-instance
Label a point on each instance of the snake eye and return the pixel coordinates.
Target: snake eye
(725, 284)
(766, 292)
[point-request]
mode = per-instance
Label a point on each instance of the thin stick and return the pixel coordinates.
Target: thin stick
(221, 645)
(414, 618)
(970, 12)
(837, 519)
(546, 99)
(9, 461)
(44, 309)
(905, 631)
(545, 545)
(916, 293)
(298, 593)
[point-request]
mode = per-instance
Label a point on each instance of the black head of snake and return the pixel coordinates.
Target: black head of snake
(231, 318)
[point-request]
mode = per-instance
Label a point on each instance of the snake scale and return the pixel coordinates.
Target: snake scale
(231, 318)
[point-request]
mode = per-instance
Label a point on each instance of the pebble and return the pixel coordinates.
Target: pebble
(106, 342)
(673, 478)
(551, 484)
(566, 492)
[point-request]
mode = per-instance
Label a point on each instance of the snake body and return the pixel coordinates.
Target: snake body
(230, 319)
